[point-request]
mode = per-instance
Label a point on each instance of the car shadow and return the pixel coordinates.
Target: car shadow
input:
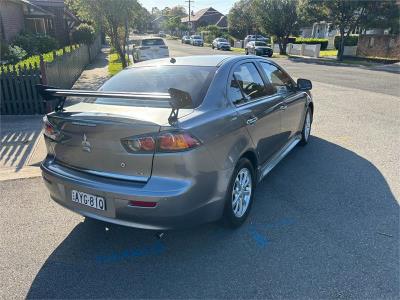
(324, 224)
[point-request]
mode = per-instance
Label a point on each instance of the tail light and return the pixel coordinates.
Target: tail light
(144, 48)
(139, 144)
(176, 141)
(49, 130)
(173, 141)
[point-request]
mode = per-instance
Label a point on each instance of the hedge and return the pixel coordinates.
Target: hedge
(35, 43)
(351, 40)
(312, 41)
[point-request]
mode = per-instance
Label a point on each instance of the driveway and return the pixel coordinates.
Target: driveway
(325, 222)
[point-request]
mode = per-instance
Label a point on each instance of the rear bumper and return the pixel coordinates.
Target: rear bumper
(180, 203)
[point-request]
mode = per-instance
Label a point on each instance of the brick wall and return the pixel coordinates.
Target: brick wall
(12, 18)
(387, 46)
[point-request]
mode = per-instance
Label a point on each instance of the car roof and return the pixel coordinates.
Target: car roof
(196, 60)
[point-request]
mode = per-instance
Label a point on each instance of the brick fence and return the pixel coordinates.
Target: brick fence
(379, 45)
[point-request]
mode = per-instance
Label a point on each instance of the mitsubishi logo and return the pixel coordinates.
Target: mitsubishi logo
(85, 144)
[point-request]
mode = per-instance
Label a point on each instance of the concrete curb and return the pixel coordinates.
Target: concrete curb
(323, 61)
(14, 174)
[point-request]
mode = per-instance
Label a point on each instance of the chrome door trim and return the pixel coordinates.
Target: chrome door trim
(269, 165)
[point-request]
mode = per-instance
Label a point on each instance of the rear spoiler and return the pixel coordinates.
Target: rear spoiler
(176, 99)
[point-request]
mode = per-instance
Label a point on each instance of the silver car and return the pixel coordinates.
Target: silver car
(221, 43)
(175, 142)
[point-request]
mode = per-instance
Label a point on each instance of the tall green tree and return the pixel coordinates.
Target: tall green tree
(241, 19)
(278, 18)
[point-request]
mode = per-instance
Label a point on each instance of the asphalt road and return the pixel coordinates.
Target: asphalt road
(325, 223)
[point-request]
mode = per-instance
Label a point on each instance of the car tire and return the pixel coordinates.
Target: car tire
(240, 195)
(306, 131)
(246, 51)
(212, 46)
(270, 55)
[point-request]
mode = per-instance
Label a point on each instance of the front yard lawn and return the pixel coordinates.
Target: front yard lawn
(323, 53)
(114, 63)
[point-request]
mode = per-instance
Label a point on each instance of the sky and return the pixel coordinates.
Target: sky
(222, 6)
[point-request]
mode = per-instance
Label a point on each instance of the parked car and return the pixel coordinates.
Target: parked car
(150, 48)
(161, 34)
(185, 39)
(221, 43)
(174, 142)
(258, 48)
(256, 37)
(196, 40)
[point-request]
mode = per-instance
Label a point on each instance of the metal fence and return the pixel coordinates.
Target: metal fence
(17, 85)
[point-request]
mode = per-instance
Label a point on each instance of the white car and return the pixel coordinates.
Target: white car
(150, 48)
(196, 40)
(221, 43)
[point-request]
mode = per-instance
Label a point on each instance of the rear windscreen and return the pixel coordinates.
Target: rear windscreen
(192, 79)
(153, 42)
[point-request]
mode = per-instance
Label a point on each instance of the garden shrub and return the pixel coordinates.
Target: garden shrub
(15, 54)
(351, 40)
(84, 34)
(35, 44)
(312, 41)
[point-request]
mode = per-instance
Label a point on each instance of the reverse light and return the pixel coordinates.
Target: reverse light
(140, 144)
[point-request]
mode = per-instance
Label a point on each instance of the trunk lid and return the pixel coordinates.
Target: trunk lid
(92, 133)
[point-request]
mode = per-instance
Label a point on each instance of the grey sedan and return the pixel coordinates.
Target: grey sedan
(258, 48)
(174, 142)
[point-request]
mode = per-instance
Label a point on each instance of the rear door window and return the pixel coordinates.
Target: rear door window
(246, 84)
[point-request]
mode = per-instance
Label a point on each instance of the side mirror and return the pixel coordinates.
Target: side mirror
(304, 84)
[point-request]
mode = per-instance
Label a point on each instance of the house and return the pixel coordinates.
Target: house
(320, 30)
(205, 17)
(48, 17)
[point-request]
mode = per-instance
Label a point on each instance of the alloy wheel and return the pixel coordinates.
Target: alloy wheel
(307, 126)
(241, 193)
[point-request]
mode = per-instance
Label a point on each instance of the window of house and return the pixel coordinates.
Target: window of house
(35, 25)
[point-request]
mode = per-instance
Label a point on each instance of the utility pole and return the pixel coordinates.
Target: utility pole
(190, 13)
(189, 2)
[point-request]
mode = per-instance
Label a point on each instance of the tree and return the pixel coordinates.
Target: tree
(115, 18)
(241, 20)
(178, 11)
(278, 18)
(348, 15)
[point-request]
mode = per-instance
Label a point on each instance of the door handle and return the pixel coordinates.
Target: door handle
(283, 107)
(251, 121)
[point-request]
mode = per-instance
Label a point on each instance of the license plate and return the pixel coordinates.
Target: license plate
(89, 200)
